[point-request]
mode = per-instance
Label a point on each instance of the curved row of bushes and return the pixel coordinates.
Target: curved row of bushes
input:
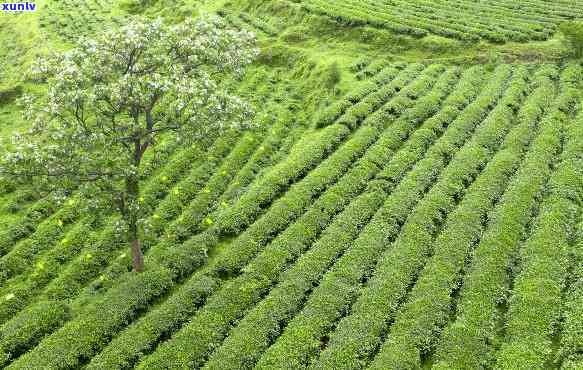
(300, 342)
(464, 343)
(460, 19)
(535, 303)
(330, 114)
(570, 353)
(256, 331)
(262, 272)
(419, 321)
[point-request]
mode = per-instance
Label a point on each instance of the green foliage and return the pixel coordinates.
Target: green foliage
(458, 22)
(277, 181)
(334, 111)
(301, 339)
(136, 6)
(464, 344)
(535, 306)
(573, 36)
(332, 75)
(269, 261)
(30, 326)
(9, 95)
(413, 331)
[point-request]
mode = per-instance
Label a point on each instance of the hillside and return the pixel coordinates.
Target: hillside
(413, 198)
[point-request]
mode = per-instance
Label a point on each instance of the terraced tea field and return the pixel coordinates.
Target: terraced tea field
(381, 238)
(407, 215)
(497, 21)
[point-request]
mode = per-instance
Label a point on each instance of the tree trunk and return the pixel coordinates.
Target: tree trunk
(137, 256)
(133, 190)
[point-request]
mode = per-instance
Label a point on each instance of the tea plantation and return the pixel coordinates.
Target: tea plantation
(412, 199)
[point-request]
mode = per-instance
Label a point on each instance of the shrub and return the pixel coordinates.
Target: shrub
(332, 75)
(573, 36)
(21, 333)
(9, 95)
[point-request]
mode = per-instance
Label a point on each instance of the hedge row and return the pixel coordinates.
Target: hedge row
(205, 202)
(301, 340)
(360, 64)
(540, 11)
(299, 198)
(73, 281)
(465, 342)
(422, 176)
(571, 352)
(420, 320)
(126, 300)
(355, 17)
(99, 249)
(516, 30)
(196, 182)
(159, 185)
(355, 348)
(32, 217)
(535, 303)
(500, 11)
(158, 323)
(194, 218)
(263, 158)
(176, 266)
(154, 161)
(396, 107)
(26, 224)
(255, 332)
(372, 69)
(439, 26)
(6, 187)
(414, 78)
(185, 256)
(379, 17)
(81, 337)
(28, 286)
(243, 21)
(381, 74)
(191, 218)
(23, 255)
(330, 114)
(259, 24)
(110, 312)
(30, 327)
(476, 25)
(214, 319)
(17, 200)
(298, 163)
(461, 20)
(226, 149)
(465, 92)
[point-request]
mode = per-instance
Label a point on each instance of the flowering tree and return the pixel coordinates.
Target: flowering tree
(109, 99)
